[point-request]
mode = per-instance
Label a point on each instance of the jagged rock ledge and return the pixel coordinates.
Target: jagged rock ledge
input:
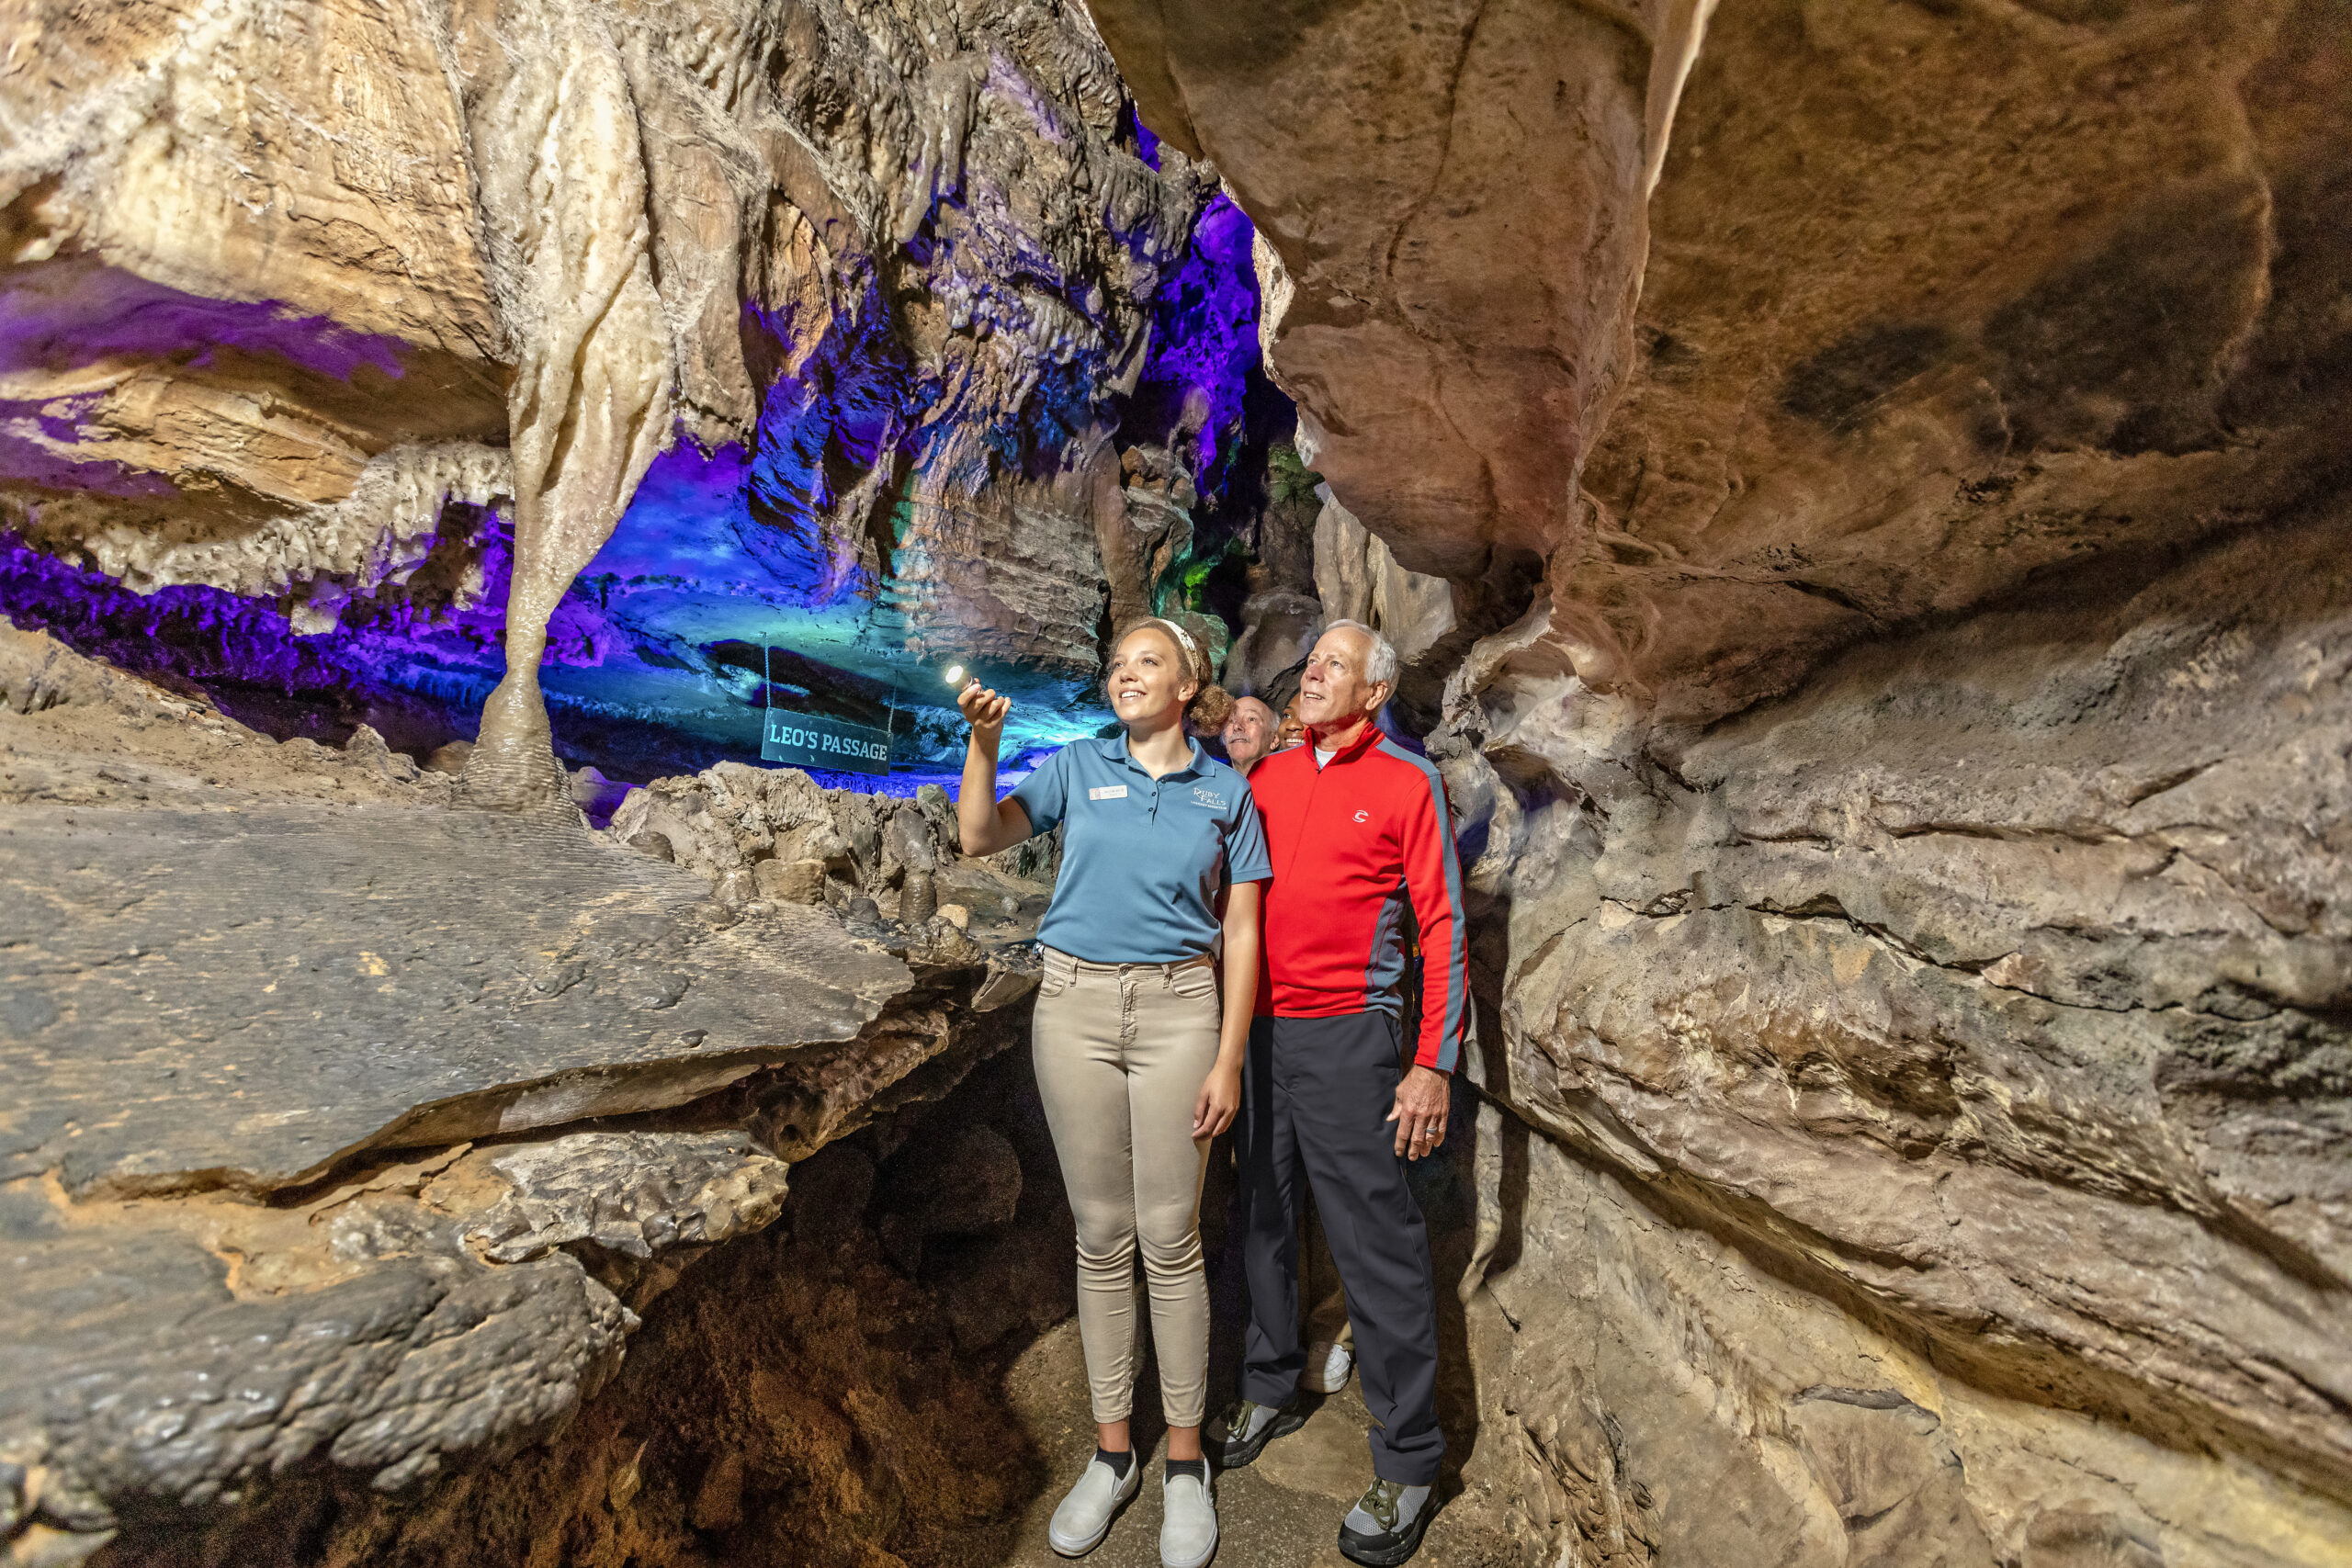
(354, 1129)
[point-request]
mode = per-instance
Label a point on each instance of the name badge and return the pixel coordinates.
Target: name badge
(1107, 792)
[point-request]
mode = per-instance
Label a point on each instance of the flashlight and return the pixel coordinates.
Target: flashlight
(955, 675)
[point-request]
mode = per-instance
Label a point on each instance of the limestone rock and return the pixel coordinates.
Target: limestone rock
(307, 339)
(221, 1053)
(170, 1384)
(789, 882)
(1357, 579)
(633, 1193)
(2008, 1004)
(268, 348)
(734, 820)
(1675, 1397)
(1456, 197)
(1278, 628)
(1905, 824)
(238, 974)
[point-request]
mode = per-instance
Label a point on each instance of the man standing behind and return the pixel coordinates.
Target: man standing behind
(1248, 734)
(1250, 738)
(1356, 826)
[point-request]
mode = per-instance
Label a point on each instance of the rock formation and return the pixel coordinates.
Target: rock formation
(408, 327)
(1861, 490)
(354, 1129)
(1908, 820)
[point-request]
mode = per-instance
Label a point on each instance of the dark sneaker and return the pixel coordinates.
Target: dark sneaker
(1242, 1434)
(1385, 1526)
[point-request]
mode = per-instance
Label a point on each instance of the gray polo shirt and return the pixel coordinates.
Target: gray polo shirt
(1144, 859)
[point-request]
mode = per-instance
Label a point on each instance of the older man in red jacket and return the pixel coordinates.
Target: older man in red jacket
(1361, 841)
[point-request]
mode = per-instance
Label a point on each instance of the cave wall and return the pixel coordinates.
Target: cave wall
(1866, 485)
(1906, 822)
(1988, 993)
(379, 318)
(826, 1389)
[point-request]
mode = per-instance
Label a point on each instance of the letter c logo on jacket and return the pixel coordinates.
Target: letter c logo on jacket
(1364, 815)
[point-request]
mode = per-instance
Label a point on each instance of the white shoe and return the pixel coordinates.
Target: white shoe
(1328, 1367)
(1085, 1516)
(1188, 1529)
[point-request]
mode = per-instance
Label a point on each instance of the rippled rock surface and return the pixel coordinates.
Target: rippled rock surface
(352, 1129)
(1909, 819)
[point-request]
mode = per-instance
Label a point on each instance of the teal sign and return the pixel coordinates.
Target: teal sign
(804, 741)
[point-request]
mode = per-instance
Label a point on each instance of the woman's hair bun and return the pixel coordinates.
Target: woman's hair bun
(1208, 710)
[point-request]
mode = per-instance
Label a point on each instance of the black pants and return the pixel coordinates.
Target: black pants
(1315, 1100)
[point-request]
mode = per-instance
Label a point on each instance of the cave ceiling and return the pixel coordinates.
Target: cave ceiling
(926, 284)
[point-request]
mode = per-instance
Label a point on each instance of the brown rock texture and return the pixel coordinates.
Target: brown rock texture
(1907, 826)
(1452, 198)
(294, 292)
(793, 1397)
(351, 1132)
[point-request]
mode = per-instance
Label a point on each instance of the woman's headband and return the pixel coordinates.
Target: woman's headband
(1183, 641)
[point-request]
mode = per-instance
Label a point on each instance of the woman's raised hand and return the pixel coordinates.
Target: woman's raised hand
(983, 707)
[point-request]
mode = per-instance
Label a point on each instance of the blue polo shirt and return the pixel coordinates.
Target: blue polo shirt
(1144, 859)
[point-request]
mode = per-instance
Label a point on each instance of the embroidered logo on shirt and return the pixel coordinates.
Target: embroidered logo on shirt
(1204, 795)
(1364, 815)
(1107, 792)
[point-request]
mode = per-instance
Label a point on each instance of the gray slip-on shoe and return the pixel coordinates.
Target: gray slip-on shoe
(1085, 1515)
(1327, 1366)
(1188, 1529)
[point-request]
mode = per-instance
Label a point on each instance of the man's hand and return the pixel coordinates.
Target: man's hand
(1421, 1111)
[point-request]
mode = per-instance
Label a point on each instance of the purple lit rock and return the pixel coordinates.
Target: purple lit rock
(894, 356)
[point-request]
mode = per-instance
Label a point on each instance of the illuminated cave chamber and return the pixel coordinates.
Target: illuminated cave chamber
(983, 441)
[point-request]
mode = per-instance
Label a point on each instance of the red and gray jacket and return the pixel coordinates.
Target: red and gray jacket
(1351, 842)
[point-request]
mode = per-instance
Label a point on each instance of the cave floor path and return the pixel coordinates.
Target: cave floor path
(1282, 1512)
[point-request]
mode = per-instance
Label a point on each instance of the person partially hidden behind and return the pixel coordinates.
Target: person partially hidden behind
(1250, 737)
(1292, 729)
(1355, 825)
(1248, 734)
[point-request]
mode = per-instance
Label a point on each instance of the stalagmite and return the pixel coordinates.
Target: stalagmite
(563, 196)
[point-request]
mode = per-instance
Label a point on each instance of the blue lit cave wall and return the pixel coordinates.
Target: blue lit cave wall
(741, 577)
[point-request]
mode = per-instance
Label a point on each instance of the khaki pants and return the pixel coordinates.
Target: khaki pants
(1121, 1051)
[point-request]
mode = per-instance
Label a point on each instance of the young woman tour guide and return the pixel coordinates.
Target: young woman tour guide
(1138, 1065)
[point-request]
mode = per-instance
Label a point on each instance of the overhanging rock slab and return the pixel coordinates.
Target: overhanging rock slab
(240, 996)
